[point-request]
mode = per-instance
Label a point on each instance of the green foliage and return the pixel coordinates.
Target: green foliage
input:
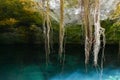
(74, 33)
(115, 31)
(107, 25)
(112, 30)
(22, 12)
(20, 22)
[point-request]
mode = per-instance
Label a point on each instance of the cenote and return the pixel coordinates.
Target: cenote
(59, 39)
(28, 63)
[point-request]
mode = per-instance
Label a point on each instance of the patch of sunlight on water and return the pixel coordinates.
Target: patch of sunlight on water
(77, 75)
(33, 72)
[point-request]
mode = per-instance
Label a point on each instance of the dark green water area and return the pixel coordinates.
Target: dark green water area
(27, 62)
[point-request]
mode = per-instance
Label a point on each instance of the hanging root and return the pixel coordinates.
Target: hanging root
(97, 44)
(46, 31)
(61, 40)
(86, 53)
(99, 31)
(88, 28)
(61, 30)
(92, 37)
(103, 48)
(88, 45)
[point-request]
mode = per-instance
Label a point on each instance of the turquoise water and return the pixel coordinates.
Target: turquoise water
(28, 63)
(34, 72)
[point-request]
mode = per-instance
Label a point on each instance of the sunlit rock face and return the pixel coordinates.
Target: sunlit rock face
(107, 6)
(72, 14)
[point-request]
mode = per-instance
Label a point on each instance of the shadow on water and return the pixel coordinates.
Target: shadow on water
(28, 63)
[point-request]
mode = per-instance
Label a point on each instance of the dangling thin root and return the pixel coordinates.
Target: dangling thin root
(103, 48)
(99, 31)
(88, 29)
(61, 30)
(46, 31)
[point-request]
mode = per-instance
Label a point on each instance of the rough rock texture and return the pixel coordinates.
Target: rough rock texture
(72, 14)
